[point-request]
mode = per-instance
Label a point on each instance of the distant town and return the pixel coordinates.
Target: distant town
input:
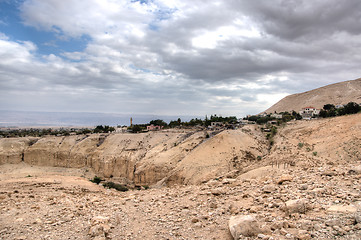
(213, 122)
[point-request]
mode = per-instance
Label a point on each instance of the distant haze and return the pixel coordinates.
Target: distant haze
(43, 119)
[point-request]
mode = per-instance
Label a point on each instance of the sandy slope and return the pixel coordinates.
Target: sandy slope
(338, 93)
(329, 141)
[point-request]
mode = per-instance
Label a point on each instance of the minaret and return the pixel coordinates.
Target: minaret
(131, 122)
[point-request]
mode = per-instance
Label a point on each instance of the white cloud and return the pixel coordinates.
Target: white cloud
(189, 57)
(15, 52)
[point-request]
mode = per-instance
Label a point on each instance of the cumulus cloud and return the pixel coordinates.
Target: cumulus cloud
(181, 57)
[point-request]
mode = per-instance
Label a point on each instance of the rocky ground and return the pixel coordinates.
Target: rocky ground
(307, 186)
(66, 207)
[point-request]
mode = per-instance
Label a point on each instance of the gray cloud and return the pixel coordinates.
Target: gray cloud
(186, 57)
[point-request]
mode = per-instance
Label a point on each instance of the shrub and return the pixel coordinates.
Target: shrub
(300, 145)
(314, 153)
(259, 158)
(116, 186)
(96, 180)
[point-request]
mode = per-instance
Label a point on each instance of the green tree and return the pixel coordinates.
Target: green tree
(136, 128)
(323, 113)
(352, 108)
(158, 122)
(328, 106)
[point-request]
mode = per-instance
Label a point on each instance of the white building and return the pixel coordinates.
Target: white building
(276, 115)
(309, 112)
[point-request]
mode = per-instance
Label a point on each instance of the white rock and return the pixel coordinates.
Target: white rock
(246, 226)
(297, 206)
(342, 209)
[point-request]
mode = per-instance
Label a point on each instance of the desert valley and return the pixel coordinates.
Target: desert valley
(188, 183)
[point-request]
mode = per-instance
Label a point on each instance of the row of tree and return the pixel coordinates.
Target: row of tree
(330, 110)
(286, 117)
(40, 132)
(193, 122)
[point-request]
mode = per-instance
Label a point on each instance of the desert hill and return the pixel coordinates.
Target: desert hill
(338, 93)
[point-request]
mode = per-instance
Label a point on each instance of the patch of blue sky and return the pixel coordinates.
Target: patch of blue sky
(142, 1)
(140, 69)
(46, 42)
(165, 14)
(161, 15)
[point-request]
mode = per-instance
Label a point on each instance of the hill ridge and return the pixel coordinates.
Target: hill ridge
(336, 93)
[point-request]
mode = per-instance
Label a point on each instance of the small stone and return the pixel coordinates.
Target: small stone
(358, 217)
(228, 181)
(233, 209)
(269, 188)
(213, 183)
(317, 191)
(213, 205)
(254, 209)
(296, 206)
(217, 192)
(275, 225)
(195, 220)
(283, 232)
(329, 173)
(303, 235)
(356, 170)
(284, 178)
(332, 222)
(198, 224)
(23, 237)
(262, 236)
(289, 236)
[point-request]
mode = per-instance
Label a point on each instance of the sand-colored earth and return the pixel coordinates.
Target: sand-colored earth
(313, 163)
(170, 157)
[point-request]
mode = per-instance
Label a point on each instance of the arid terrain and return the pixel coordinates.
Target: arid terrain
(305, 186)
(338, 93)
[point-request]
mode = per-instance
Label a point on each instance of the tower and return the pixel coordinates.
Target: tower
(131, 122)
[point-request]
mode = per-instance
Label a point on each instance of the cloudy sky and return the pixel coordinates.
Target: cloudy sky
(172, 57)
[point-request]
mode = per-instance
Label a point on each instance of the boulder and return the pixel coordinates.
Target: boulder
(99, 227)
(245, 225)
